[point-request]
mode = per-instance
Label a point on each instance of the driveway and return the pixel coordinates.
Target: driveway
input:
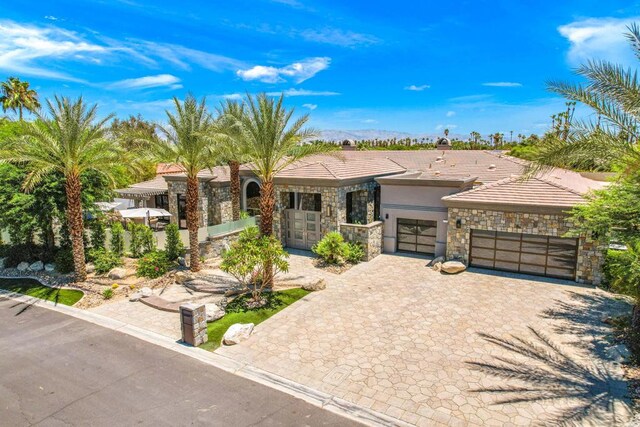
(477, 348)
(58, 370)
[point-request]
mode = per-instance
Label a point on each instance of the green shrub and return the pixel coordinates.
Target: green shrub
(153, 264)
(622, 270)
(117, 238)
(105, 261)
(107, 293)
(98, 234)
(174, 247)
(355, 253)
(142, 240)
(64, 261)
(27, 252)
(332, 249)
(134, 241)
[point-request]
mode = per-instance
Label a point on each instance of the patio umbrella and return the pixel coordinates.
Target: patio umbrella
(144, 213)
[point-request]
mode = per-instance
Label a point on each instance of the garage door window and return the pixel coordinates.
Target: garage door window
(524, 253)
(415, 235)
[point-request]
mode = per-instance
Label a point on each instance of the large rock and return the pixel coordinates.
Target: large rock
(237, 333)
(453, 267)
(49, 268)
(37, 266)
(183, 276)
(201, 285)
(117, 273)
(90, 268)
(213, 312)
(135, 296)
(437, 266)
(315, 286)
(182, 261)
(23, 266)
(436, 260)
(146, 292)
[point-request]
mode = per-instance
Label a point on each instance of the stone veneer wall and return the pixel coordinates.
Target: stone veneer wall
(215, 245)
(220, 206)
(369, 236)
(336, 197)
(360, 204)
(180, 187)
(590, 252)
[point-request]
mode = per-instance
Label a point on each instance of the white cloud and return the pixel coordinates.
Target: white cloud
(417, 88)
(22, 46)
(232, 96)
(369, 121)
(502, 84)
(160, 80)
(598, 38)
(310, 106)
(442, 127)
(293, 3)
(303, 92)
(338, 37)
(298, 71)
(451, 113)
(51, 18)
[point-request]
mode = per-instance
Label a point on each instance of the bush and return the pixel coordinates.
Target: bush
(331, 249)
(64, 261)
(142, 240)
(27, 252)
(107, 293)
(622, 270)
(355, 253)
(105, 261)
(174, 246)
(117, 239)
(153, 265)
(98, 234)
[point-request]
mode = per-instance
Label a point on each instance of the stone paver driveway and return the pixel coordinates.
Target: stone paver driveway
(396, 337)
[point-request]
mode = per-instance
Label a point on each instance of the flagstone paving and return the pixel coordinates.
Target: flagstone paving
(396, 337)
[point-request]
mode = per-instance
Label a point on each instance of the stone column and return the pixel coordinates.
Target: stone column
(193, 322)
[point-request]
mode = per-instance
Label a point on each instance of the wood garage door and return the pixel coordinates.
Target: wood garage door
(524, 253)
(416, 235)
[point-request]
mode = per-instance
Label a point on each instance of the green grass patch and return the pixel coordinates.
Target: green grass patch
(237, 313)
(35, 289)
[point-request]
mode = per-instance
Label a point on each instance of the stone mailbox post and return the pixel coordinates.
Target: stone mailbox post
(193, 321)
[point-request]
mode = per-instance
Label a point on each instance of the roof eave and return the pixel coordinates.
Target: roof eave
(507, 207)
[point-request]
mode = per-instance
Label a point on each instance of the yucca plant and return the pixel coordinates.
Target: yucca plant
(71, 140)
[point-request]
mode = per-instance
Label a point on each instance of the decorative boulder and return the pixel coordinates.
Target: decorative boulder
(135, 296)
(37, 266)
(437, 266)
(146, 292)
(317, 286)
(213, 312)
(453, 267)
(182, 261)
(90, 268)
(436, 260)
(2, 261)
(237, 333)
(117, 274)
(183, 276)
(49, 268)
(23, 266)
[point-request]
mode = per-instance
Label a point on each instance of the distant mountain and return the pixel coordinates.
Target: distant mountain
(341, 135)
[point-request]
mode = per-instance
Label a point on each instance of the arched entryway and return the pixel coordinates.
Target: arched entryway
(251, 196)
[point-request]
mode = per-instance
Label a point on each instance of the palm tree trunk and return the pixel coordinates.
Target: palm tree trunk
(76, 227)
(267, 207)
(20, 112)
(234, 174)
(193, 223)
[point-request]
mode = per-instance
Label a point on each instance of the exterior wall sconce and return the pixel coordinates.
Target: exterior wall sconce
(386, 216)
(458, 223)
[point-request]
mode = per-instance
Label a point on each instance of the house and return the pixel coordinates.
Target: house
(470, 205)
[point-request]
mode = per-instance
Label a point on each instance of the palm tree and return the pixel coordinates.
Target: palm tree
(614, 93)
(16, 95)
(272, 144)
(72, 141)
(185, 145)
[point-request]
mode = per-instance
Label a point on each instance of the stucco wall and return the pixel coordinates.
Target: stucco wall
(414, 202)
(590, 252)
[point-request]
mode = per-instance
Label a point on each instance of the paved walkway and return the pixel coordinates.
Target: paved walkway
(396, 337)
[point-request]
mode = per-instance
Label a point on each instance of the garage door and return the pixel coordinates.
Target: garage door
(524, 253)
(416, 235)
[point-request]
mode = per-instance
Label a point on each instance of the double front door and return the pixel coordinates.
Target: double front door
(302, 228)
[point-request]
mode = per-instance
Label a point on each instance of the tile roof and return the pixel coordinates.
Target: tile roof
(154, 186)
(558, 189)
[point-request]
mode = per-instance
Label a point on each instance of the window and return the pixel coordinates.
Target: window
(350, 208)
(376, 204)
(162, 201)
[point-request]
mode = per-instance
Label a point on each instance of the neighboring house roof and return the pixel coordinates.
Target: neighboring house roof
(166, 168)
(556, 190)
(154, 186)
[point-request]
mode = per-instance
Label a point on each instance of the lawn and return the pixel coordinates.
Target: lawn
(236, 313)
(33, 288)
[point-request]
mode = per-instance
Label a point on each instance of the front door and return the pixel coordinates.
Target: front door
(302, 228)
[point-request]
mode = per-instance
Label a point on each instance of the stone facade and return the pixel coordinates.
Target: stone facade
(214, 204)
(362, 206)
(369, 236)
(180, 187)
(590, 252)
(220, 206)
(213, 246)
(193, 321)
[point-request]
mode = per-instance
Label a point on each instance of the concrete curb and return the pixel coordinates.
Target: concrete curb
(300, 391)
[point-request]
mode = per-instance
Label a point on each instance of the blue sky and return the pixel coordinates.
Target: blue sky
(413, 66)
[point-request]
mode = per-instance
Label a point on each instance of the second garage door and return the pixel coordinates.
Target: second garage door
(524, 253)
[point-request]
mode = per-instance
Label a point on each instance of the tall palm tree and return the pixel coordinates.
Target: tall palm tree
(613, 92)
(185, 145)
(272, 143)
(16, 95)
(70, 140)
